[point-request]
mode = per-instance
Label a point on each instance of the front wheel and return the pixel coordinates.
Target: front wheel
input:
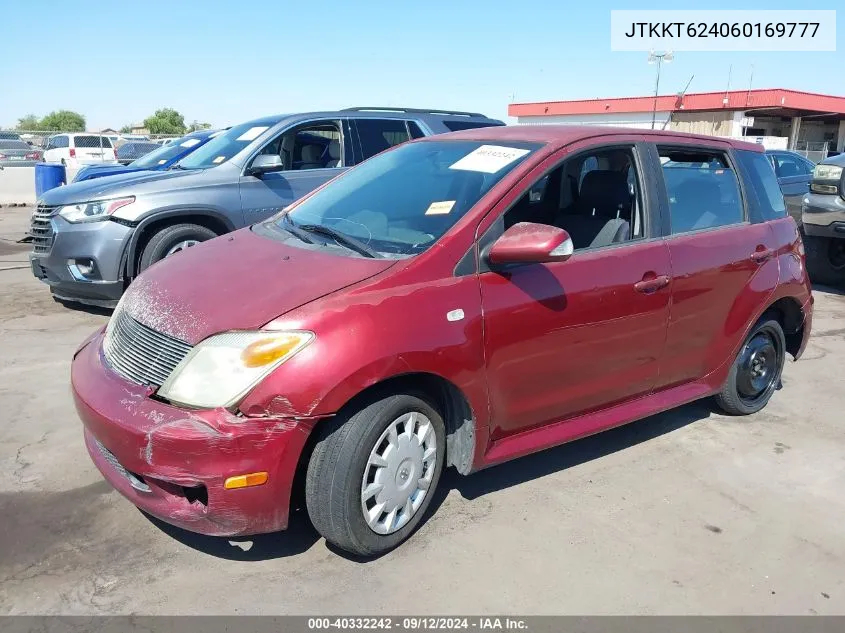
(756, 372)
(171, 240)
(825, 259)
(372, 474)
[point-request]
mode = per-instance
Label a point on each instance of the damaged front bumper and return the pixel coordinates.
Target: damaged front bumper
(172, 462)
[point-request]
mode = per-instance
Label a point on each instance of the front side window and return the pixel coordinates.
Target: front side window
(594, 196)
(377, 135)
(314, 146)
(787, 165)
(402, 201)
(224, 146)
(702, 188)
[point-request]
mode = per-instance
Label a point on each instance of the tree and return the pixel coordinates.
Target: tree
(126, 129)
(165, 121)
(29, 122)
(196, 125)
(63, 121)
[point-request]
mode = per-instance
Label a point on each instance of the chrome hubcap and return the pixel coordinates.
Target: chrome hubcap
(181, 246)
(398, 473)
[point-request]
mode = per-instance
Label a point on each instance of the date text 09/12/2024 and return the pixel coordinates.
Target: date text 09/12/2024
(411, 623)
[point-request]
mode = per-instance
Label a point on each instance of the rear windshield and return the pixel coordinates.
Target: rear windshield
(458, 125)
(221, 148)
(91, 141)
(13, 145)
(403, 200)
(166, 153)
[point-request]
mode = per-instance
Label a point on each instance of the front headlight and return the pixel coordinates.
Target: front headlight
(220, 370)
(94, 210)
(827, 172)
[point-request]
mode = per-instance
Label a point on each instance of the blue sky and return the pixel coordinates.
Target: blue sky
(226, 62)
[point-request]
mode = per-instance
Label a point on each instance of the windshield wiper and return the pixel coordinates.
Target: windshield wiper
(292, 228)
(341, 238)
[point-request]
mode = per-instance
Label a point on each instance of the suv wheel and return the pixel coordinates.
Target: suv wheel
(172, 239)
(825, 259)
(373, 473)
(756, 372)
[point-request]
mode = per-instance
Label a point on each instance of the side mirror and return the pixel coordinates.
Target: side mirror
(530, 243)
(265, 163)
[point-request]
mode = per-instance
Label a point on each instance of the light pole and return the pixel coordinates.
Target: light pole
(658, 58)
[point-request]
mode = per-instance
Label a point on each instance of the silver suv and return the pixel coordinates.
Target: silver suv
(91, 238)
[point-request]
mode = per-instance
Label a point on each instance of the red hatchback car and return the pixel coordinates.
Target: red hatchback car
(457, 301)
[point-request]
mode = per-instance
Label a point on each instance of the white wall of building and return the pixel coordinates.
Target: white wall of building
(641, 120)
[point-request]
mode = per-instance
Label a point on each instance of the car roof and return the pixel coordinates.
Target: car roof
(565, 134)
(372, 113)
(839, 159)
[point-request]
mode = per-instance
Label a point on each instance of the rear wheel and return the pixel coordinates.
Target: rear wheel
(756, 372)
(172, 239)
(825, 259)
(372, 474)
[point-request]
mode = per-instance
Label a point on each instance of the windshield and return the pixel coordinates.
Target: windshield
(165, 154)
(402, 201)
(221, 148)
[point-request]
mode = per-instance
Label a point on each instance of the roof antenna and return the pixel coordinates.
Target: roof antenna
(680, 98)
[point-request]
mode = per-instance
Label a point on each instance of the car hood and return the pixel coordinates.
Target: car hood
(98, 171)
(238, 281)
(139, 182)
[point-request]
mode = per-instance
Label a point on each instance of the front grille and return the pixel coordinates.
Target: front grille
(139, 353)
(41, 228)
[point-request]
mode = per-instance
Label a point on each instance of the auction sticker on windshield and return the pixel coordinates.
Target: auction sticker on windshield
(191, 142)
(489, 158)
(440, 208)
(252, 133)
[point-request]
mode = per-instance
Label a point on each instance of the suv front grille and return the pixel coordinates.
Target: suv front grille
(41, 228)
(139, 353)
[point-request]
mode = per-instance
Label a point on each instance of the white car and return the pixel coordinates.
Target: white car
(75, 150)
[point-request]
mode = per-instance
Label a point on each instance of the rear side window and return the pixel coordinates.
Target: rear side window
(703, 190)
(60, 141)
(91, 141)
(377, 135)
(456, 125)
(415, 130)
(766, 199)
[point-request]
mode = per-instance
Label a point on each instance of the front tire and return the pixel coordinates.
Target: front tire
(171, 240)
(756, 372)
(825, 259)
(373, 473)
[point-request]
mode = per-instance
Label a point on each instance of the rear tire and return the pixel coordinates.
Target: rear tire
(825, 259)
(373, 473)
(172, 239)
(756, 371)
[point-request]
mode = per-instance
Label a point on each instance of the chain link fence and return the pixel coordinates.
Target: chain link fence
(816, 151)
(39, 138)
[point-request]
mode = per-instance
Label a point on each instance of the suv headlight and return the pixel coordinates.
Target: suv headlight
(94, 210)
(827, 172)
(219, 371)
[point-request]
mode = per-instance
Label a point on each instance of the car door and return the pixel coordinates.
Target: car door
(324, 142)
(374, 135)
(794, 176)
(52, 152)
(721, 263)
(569, 337)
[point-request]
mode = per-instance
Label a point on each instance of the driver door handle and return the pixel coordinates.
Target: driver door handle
(762, 255)
(654, 284)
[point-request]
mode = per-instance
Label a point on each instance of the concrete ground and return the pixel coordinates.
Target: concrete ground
(685, 512)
